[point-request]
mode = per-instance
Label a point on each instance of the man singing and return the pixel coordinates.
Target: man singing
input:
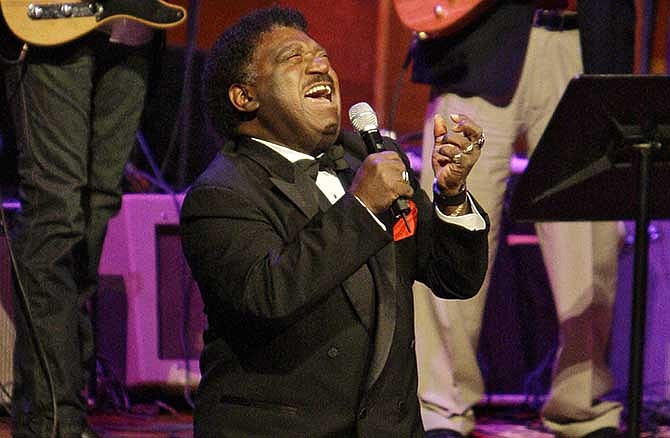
(306, 273)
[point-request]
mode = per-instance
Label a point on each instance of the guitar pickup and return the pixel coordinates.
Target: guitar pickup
(64, 10)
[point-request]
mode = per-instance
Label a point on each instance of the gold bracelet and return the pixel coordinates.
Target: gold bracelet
(450, 200)
(461, 209)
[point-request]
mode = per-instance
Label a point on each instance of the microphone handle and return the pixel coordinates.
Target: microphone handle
(374, 143)
(400, 208)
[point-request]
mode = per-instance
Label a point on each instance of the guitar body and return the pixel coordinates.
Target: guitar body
(432, 18)
(57, 22)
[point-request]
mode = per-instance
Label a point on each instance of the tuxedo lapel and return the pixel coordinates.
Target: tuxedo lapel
(300, 192)
(296, 185)
(364, 303)
(383, 267)
(360, 288)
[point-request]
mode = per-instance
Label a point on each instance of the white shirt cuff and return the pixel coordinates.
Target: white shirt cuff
(471, 221)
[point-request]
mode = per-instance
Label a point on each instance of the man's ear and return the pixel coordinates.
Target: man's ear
(242, 97)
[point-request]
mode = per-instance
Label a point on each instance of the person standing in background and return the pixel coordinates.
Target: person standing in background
(76, 109)
(508, 69)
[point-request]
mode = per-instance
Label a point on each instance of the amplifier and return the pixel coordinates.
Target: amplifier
(149, 314)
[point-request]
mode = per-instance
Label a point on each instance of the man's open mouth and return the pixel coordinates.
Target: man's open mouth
(321, 91)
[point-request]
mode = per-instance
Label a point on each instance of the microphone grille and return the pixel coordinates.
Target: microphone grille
(363, 117)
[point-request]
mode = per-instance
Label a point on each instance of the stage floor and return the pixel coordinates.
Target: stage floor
(156, 421)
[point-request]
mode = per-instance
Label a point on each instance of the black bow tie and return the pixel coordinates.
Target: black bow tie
(331, 160)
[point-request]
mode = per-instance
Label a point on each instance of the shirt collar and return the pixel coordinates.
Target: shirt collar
(288, 153)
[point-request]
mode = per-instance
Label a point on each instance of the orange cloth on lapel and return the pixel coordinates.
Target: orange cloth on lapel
(400, 229)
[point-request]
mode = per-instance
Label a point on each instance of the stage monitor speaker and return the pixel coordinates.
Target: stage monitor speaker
(143, 330)
(7, 332)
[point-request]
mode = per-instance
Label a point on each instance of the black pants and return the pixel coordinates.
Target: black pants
(76, 111)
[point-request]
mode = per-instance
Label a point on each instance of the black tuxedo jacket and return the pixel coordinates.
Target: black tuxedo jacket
(294, 348)
(486, 57)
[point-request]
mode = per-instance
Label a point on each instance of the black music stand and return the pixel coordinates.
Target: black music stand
(606, 144)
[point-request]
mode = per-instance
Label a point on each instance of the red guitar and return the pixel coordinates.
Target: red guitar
(431, 18)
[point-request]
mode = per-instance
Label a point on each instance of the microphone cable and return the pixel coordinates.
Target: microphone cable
(25, 307)
(400, 80)
(184, 115)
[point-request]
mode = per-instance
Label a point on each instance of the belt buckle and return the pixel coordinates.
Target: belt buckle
(554, 19)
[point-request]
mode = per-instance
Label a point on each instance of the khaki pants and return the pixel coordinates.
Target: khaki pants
(581, 260)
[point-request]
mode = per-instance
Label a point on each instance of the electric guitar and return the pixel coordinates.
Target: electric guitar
(431, 18)
(49, 23)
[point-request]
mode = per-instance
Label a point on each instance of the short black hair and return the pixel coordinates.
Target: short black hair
(229, 61)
